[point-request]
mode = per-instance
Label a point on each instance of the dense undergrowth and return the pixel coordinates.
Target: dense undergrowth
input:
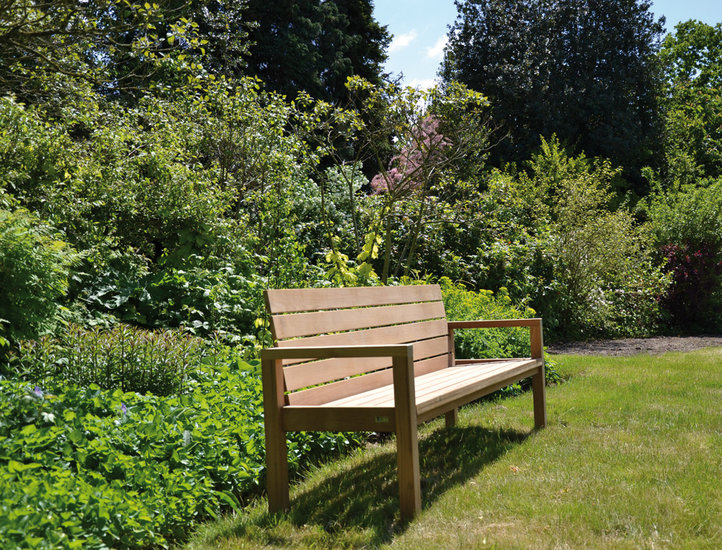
(85, 467)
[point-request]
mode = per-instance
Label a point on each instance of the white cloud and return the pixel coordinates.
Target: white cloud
(437, 50)
(402, 40)
(423, 83)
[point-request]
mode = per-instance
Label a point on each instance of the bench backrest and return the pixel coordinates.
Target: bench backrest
(353, 316)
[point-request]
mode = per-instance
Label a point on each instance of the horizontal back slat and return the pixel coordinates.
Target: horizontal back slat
(319, 372)
(314, 299)
(396, 334)
(321, 322)
(355, 316)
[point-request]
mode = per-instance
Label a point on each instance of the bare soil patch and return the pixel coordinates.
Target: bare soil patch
(633, 346)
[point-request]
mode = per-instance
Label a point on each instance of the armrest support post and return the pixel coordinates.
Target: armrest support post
(407, 446)
(276, 446)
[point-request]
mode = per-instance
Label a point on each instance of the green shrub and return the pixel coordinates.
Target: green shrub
(202, 295)
(601, 277)
(122, 357)
(96, 469)
(34, 268)
(466, 305)
(463, 305)
(686, 228)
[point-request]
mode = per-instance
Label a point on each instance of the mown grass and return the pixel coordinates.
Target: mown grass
(632, 458)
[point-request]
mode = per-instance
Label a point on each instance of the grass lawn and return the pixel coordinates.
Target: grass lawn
(632, 458)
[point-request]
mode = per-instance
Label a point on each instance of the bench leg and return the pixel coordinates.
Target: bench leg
(276, 447)
(407, 444)
(451, 417)
(276, 471)
(539, 391)
(407, 454)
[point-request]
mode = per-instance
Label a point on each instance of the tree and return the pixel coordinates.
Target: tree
(314, 46)
(118, 47)
(434, 132)
(583, 69)
(691, 58)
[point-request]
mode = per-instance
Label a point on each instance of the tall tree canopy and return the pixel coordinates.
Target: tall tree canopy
(118, 46)
(583, 69)
(692, 61)
(314, 45)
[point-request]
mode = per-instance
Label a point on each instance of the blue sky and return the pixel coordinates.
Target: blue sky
(419, 29)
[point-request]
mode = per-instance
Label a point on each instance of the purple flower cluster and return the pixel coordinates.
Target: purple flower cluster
(406, 171)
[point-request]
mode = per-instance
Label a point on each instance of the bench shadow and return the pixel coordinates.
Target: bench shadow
(364, 498)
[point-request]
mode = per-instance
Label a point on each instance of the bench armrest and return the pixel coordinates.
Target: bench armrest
(534, 325)
(402, 356)
(325, 352)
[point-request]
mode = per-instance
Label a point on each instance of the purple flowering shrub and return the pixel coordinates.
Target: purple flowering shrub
(408, 169)
(693, 298)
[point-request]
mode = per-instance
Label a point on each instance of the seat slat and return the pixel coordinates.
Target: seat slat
(344, 388)
(515, 371)
(322, 322)
(396, 334)
(439, 384)
(313, 299)
(385, 394)
(318, 372)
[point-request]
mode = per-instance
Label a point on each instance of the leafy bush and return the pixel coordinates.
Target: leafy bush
(692, 300)
(604, 280)
(465, 305)
(34, 268)
(122, 357)
(95, 469)
(686, 227)
(203, 295)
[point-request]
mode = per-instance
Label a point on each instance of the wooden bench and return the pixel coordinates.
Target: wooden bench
(375, 359)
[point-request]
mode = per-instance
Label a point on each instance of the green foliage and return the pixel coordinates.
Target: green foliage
(462, 304)
(100, 469)
(52, 50)
(34, 267)
(122, 357)
(692, 137)
(686, 227)
(433, 131)
(606, 280)
(202, 295)
(692, 215)
(550, 236)
(315, 45)
(583, 70)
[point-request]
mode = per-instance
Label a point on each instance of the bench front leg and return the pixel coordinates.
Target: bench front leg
(407, 445)
(276, 447)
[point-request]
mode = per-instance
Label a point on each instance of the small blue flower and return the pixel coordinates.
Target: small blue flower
(123, 408)
(38, 391)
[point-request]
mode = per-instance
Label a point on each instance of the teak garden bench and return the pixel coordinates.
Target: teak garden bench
(375, 359)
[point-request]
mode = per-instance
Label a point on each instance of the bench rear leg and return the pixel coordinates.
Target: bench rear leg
(451, 417)
(539, 393)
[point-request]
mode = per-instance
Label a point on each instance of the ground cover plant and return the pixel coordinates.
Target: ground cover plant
(93, 468)
(629, 460)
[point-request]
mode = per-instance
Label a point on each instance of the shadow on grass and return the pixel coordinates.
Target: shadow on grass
(363, 499)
